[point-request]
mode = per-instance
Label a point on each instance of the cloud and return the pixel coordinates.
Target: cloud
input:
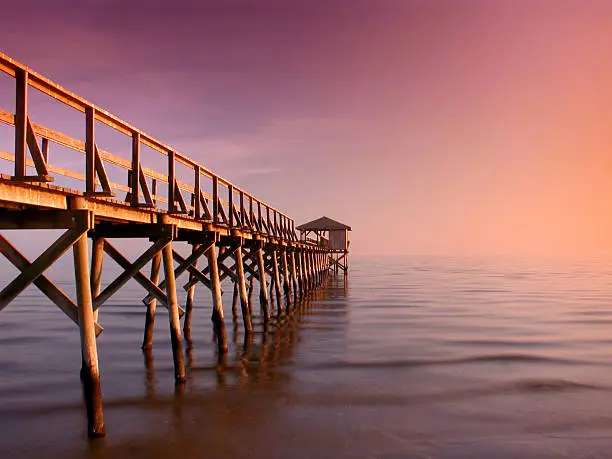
(261, 152)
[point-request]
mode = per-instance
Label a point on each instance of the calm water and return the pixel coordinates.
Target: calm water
(413, 357)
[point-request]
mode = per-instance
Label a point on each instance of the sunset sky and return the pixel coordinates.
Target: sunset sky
(458, 127)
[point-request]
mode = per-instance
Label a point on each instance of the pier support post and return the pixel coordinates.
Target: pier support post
(321, 267)
(306, 270)
(235, 300)
(97, 257)
(190, 299)
(173, 314)
(286, 281)
(244, 299)
(147, 342)
(300, 275)
(264, 299)
(90, 373)
(217, 314)
(294, 280)
(277, 285)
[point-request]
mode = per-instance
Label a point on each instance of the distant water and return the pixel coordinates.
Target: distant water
(412, 358)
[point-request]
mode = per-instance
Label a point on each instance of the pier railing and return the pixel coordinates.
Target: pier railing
(199, 194)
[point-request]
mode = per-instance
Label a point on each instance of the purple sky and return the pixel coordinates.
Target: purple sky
(448, 126)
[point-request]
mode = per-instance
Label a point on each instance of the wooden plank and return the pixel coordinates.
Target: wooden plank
(41, 219)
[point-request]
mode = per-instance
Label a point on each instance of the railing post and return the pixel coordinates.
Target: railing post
(90, 146)
(259, 216)
(171, 181)
(197, 212)
(21, 116)
(215, 204)
(45, 149)
(242, 220)
(230, 189)
(135, 168)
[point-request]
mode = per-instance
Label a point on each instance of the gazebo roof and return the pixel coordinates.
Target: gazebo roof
(323, 224)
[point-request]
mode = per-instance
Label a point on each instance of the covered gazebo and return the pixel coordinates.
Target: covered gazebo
(332, 235)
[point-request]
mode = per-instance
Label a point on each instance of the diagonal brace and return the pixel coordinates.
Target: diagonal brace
(132, 270)
(36, 268)
(184, 264)
(59, 298)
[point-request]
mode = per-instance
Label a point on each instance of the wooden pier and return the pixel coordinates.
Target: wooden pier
(232, 234)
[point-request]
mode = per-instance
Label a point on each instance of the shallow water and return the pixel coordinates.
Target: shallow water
(411, 358)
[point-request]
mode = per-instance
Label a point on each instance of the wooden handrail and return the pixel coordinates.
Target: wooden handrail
(246, 211)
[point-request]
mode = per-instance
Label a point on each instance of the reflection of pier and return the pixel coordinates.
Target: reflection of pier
(261, 362)
(169, 199)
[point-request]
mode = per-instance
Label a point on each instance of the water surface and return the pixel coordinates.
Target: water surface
(410, 358)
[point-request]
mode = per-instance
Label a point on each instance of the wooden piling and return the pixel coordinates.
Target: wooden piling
(251, 287)
(217, 314)
(235, 300)
(277, 285)
(264, 299)
(300, 273)
(286, 281)
(294, 275)
(147, 342)
(173, 314)
(305, 270)
(97, 257)
(90, 373)
(244, 299)
(190, 299)
(313, 270)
